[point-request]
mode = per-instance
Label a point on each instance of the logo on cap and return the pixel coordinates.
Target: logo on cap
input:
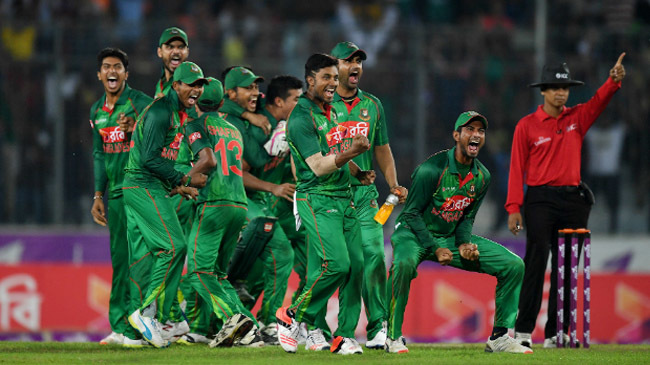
(561, 76)
(195, 69)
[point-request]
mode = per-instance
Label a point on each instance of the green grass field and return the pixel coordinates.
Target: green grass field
(89, 353)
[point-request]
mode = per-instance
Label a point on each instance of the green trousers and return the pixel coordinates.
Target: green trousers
(494, 260)
(154, 231)
(185, 211)
(277, 259)
(334, 260)
(211, 244)
(118, 305)
(374, 266)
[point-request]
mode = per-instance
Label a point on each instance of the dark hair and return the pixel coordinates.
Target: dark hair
(317, 62)
(208, 108)
(113, 52)
(280, 87)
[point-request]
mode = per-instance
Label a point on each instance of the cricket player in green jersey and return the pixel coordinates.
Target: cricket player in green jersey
(217, 148)
(322, 152)
(173, 49)
(153, 227)
(112, 118)
(262, 237)
(363, 112)
(436, 224)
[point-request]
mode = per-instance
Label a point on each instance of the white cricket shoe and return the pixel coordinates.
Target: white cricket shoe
(379, 340)
(288, 330)
(134, 344)
(232, 331)
(316, 341)
(113, 339)
(270, 334)
(192, 339)
(345, 346)
(506, 343)
(551, 342)
(302, 334)
(172, 331)
(149, 328)
(525, 339)
(397, 346)
(252, 339)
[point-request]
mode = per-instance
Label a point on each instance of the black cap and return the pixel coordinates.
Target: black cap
(556, 74)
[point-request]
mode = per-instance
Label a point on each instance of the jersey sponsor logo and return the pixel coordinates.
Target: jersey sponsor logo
(364, 115)
(117, 147)
(346, 130)
(456, 203)
(194, 136)
(452, 209)
(572, 127)
(332, 211)
(176, 144)
(451, 188)
(541, 140)
(112, 134)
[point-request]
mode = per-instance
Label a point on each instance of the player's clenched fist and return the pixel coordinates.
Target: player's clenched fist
(360, 144)
(444, 256)
(468, 251)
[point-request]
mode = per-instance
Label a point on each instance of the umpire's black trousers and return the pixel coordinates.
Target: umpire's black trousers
(548, 209)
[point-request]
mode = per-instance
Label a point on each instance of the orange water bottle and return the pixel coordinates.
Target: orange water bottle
(386, 209)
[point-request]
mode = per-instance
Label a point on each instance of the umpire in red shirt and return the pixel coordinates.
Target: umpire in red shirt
(545, 156)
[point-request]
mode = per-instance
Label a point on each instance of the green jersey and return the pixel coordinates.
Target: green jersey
(254, 152)
(183, 158)
(441, 202)
(162, 86)
(110, 144)
(311, 131)
(365, 115)
(155, 144)
(225, 180)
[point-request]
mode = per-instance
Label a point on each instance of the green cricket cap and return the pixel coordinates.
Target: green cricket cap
(345, 50)
(172, 33)
(240, 77)
(466, 117)
(212, 93)
(189, 73)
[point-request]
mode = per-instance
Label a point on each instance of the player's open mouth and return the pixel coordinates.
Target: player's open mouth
(175, 62)
(252, 103)
(112, 82)
(473, 146)
(192, 99)
(354, 77)
(329, 92)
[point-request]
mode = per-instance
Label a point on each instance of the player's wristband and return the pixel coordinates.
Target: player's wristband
(98, 197)
(188, 181)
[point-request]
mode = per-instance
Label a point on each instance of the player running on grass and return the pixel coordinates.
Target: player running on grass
(321, 150)
(436, 225)
(363, 111)
(217, 148)
(155, 235)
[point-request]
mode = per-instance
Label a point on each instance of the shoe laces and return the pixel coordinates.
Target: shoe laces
(316, 336)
